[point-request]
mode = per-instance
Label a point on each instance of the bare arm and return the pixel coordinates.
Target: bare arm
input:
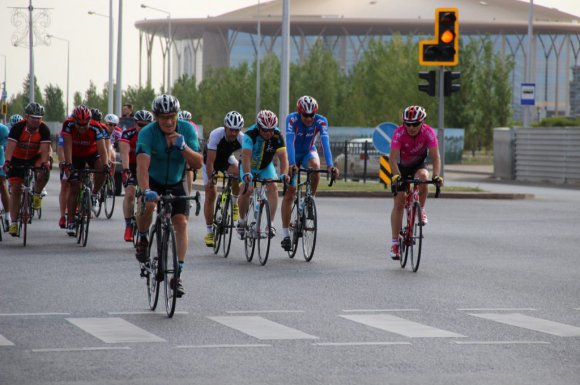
(143, 161)
(393, 156)
(124, 149)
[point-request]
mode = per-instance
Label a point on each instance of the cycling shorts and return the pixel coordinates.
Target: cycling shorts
(81, 164)
(222, 167)
(409, 172)
(302, 162)
(266, 173)
(178, 190)
(17, 174)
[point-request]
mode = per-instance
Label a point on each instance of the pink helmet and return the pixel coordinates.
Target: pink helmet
(307, 105)
(82, 114)
(266, 120)
(414, 114)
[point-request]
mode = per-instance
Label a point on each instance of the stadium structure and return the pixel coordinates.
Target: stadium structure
(347, 26)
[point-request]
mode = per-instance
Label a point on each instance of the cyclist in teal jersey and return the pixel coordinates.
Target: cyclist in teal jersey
(261, 143)
(163, 149)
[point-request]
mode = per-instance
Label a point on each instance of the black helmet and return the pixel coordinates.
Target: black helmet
(165, 104)
(143, 116)
(34, 109)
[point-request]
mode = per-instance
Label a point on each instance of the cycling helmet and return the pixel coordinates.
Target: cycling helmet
(96, 114)
(266, 120)
(184, 115)
(14, 119)
(143, 115)
(34, 109)
(81, 114)
(307, 105)
(111, 119)
(414, 114)
(234, 120)
(165, 104)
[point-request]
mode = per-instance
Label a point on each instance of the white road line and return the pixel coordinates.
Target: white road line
(360, 343)
(500, 309)
(143, 313)
(532, 323)
(400, 326)
(375, 310)
(31, 314)
(500, 342)
(87, 349)
(263, 311)
(114, 330)
(262, 328)
(4, 341)
(223, 346)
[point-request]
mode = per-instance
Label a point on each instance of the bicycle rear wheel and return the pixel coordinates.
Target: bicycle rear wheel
(249, 233)
(417, 237)
(310, 228)
(154, 257)
(294, 229)
(263, 232)
(217, 224)
(24, 217)
(98, 204)
(109, 196)
(170, 270)
(227, 226)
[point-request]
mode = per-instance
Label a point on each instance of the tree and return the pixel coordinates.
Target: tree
(37, 93)
(139, 97)
(93, 99)
(54, 105)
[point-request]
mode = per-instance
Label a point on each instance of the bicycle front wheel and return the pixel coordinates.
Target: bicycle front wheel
(417, 237)
(24, 217)
(310, 228)
(227, 226)
(217, 225)
(154, 257)
(109, 196)
(404, 237)
(249, 233)
(86, 219)
(170, 270)
(263, 225)
(294, 229)
(97, 205)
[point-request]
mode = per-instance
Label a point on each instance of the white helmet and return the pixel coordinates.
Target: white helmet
(112, 118)
(165, 104)
(234, 120)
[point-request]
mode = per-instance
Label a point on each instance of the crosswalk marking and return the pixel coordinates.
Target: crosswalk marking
(399, 325)
(261, 328)
(377, 310)
(532, 323)
(31, 314)
(4, 341)
(377, 343)
(218, 346)
(500, 309)
(114, 330)
(501, 342)
(263, 311)
(86, 349)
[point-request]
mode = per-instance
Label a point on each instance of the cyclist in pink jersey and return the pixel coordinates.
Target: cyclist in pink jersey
(411, 144)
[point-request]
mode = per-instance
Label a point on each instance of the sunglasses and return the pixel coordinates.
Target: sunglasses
(267, 129)
(82, 124)
(308, 115)
(233, 129)
(142, 124)
(416, 124)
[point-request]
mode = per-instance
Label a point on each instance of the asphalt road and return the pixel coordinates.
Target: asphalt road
(495, 302)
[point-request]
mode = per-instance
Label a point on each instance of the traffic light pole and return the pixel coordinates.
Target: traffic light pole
(441, 131)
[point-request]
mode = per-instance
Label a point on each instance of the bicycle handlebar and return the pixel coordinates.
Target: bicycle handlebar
(309, 171)
(169, 198)
(415, 181)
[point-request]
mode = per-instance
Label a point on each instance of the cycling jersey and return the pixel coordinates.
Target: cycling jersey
(167, 163)
(115, 135)
(224, 149)
(83, 144)
(194, 127)
(413, 149)
(130, 137)
(28, 142)
(3, 140)
(263, 150)
(300, 138)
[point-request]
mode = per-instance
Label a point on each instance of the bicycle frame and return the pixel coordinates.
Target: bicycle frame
(223, 223)
(25, 211)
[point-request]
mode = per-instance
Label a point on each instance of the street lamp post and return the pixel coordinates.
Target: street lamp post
(169, 43)
(67, 67)
(110, 106)
(4, 93)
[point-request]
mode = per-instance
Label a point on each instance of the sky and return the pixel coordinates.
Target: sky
(89, 41)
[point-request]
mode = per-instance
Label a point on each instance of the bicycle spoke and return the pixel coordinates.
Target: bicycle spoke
(263, 230)
(310, 229)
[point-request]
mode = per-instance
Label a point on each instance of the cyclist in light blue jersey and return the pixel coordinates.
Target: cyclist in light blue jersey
(163, 149)
(302, 128)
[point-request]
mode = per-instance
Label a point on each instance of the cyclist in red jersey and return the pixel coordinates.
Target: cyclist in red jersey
(127, 147)
(28, 145)
(411, 144)
(83, 144)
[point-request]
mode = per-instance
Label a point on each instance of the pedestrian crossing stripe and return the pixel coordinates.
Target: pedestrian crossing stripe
(532, 323)
(114, 330)
(4, 341)
(397, 325)
(261, 328)
(385, 174)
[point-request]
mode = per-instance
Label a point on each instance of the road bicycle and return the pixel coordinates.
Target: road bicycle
(304, 217)
(258, 222)
(25, 212)
(411, 234)
(223, 219)
(106, 197)
(84, 205)
(163, 264)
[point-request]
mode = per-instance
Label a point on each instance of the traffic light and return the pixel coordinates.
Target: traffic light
(448, 86)
(4, 109)
(444, 51)
(429, 88)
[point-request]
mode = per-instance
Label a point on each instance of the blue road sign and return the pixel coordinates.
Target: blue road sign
(528, 96)
(382, 137)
